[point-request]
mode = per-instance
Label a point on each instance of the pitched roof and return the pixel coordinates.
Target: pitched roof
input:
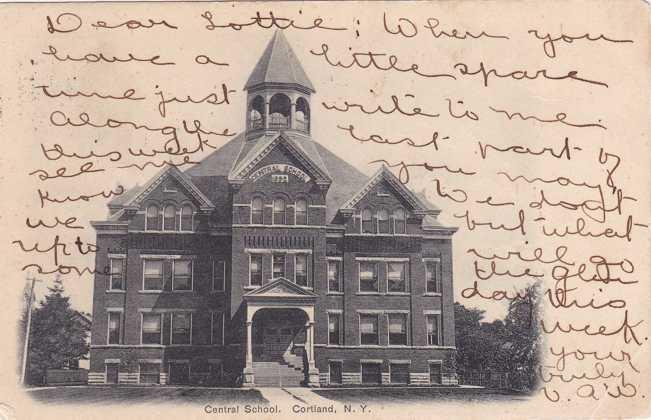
(135, 199)
(302, 147)
(278, 64)
(384, 174)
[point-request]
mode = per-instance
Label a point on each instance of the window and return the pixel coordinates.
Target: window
(116, 281)
(153, 275)
(186, 218)
(255, 270)
(300, 269)
(433, 329)
(149, 373)
(279, 211)
(179, 373)
(435, 374)
(382, 221)
(399, 373)
(169, 218)
(217, 329)
(432, 276)
(256, 211)
(396, 273)
(368, 329)
(151, 328)
(181, 327)
(182, 275)
(300, 210)
(114, 324)
(336, 372)
(218, 275)
(334, 276)
(372, 373)
(278, 266)
(367, 221)
(399, 221)
(368, 277)
(151, 219)
(334, 328)
(397, 329)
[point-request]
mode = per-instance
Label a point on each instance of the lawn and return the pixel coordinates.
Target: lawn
(404, 395)
(136, 395)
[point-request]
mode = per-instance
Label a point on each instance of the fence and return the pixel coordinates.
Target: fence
(518, 381)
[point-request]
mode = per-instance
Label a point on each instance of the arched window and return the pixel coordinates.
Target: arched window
(382, 221)
(300, 210)
(186, 217)
(169, 218)
(399, 221)
(279, 110)
(151, 219)
(279, 211)
(302, 115)
(367, 221)
(256, 113)
(256, 211)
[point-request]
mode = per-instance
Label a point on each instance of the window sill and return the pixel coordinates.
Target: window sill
(372, 346)
(116, 291)
(152, 291)
(370, 293)
(181, 291)
(250, 287)
(335, 293)
(432, 294)
(398, 293)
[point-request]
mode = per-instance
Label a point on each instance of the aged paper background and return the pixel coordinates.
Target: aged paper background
(605, 118)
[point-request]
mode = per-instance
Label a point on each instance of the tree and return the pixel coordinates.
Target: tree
(509, 346)
(57, 334)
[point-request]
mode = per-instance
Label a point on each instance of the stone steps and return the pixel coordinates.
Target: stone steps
(274, 374)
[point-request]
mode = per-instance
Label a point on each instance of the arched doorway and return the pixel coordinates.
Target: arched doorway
(278, 334)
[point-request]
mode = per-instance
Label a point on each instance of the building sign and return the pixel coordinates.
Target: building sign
(279, 169)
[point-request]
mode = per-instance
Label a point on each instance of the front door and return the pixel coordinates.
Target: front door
(276, 341)
(112, 373)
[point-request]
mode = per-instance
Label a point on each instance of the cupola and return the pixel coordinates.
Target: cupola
(278, 92)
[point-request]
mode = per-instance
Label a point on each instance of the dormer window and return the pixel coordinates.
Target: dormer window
(169, 218)
(256, 211)
(399, 221)
(300, 210)
(151, 219)
(279, 211)
(186, 218)
(367, 221)
(382, 221)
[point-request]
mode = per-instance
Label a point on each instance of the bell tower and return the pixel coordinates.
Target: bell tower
(278, 92)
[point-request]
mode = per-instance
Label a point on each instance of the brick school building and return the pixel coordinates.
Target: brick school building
(273, 262)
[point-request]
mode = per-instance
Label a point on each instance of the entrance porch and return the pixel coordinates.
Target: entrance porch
(279, 347)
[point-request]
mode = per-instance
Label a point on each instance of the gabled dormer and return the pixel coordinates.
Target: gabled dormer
(384, 206)
(169, 202)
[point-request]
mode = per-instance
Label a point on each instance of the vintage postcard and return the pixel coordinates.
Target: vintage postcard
(328, 209)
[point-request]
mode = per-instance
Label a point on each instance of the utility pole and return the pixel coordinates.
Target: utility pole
(27, 329)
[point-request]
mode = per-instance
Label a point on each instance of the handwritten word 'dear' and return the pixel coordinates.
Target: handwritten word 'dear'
(64, 23)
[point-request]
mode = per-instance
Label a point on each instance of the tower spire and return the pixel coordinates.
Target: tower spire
(279, 65)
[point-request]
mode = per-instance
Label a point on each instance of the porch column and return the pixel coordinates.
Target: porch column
(266, 113)
(313, 372)
(292, 114)
(248, 379)
(249, 344)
